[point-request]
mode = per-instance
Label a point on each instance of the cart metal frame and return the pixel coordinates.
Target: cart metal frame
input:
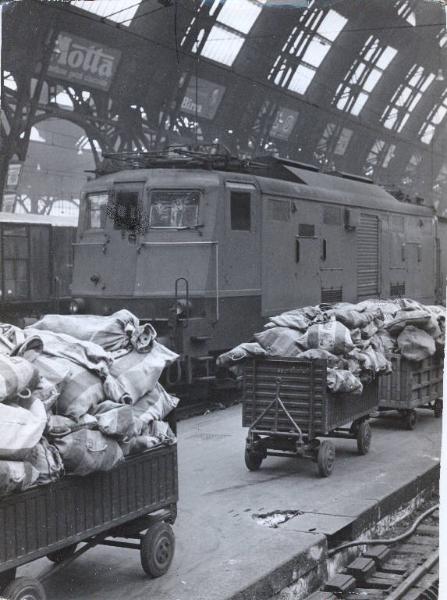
(412, 385)
(127, 503)
(287, 407)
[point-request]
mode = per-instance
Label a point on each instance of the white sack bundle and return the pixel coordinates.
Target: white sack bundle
(16, 476)
(113, 332)
(20, 430)
(156, 405)
(280, 341)
(415, 344)
(16, 375)
(331, 336)
(341, 381)
(240, 352)
(136, 374)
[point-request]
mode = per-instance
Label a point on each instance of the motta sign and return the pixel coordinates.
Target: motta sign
(81, 61)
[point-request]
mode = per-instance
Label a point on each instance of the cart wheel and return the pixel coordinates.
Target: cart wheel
(326, 458)
(157, 549)
(437, 409)
(6, 577)
(24, 588)
(364, 438)
(60, 555)
(253, 460)
(410, 419)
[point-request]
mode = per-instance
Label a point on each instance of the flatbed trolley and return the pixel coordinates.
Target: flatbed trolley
(136, 500)
(287, 407)
(412, 385)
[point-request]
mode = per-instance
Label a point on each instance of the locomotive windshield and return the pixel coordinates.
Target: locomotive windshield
(125, 210)
(176, 209)
(96, 210)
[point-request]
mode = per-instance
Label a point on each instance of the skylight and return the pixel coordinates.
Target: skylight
(406, 98)
(222, 45)
(406, 11)
(305, 49)
(239, 14)
(434, 118)
(363, 76)
(121, 11)
(234, 20)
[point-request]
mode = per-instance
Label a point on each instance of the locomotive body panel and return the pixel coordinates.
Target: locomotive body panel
(213, 253)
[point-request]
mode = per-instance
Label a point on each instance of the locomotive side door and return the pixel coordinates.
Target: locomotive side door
(307, 251)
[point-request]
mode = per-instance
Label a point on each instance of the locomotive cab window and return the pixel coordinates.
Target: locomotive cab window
(125, 210)
(240, 210)
(96, 210)
(177, 209)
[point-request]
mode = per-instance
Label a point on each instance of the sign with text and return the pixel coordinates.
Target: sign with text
(284, 123)
(202, 98)
(81, 61)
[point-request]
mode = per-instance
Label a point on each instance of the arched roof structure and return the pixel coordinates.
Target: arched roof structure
(345, 85)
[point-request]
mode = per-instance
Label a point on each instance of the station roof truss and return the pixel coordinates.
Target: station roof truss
(314, 81)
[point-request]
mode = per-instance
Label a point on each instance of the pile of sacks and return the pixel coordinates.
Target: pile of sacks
(357, 340)
(77, 395)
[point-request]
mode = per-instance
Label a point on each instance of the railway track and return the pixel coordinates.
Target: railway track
(407, 569)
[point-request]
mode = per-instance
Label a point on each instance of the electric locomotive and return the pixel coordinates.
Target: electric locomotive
(206, 247)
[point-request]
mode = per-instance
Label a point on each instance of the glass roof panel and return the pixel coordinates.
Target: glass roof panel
(315, 52)
(359, 103)
(331, 26)
(427, 82)
(391, 118)
(428, 134)
(301, 79)
(124, 9)
(222, 45)
(402, 123)
(239, 14)
(403, 96)
(372, 79)
(386, 57)
(439, 115)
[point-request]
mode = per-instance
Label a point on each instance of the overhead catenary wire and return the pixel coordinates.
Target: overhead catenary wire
(329, 110)
(149, 12)
(139, 3)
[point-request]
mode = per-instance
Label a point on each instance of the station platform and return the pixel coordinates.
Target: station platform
(227, 544)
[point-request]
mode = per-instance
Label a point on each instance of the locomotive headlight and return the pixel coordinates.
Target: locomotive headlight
(77, 305)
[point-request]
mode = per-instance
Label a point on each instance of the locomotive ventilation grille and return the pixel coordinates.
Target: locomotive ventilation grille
(306, 230)
(397, 289)
(331, 296)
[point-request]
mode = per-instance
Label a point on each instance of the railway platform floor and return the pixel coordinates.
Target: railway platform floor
(225, 550)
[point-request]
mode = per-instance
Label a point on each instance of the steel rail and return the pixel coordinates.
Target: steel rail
(407, 584)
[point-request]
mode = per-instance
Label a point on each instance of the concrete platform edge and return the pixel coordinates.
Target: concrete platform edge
(310, 566)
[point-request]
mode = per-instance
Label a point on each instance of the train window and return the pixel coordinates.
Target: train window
(15, 262)
(96, 210)
(240, 210)
(177, 209)
(126, 210)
